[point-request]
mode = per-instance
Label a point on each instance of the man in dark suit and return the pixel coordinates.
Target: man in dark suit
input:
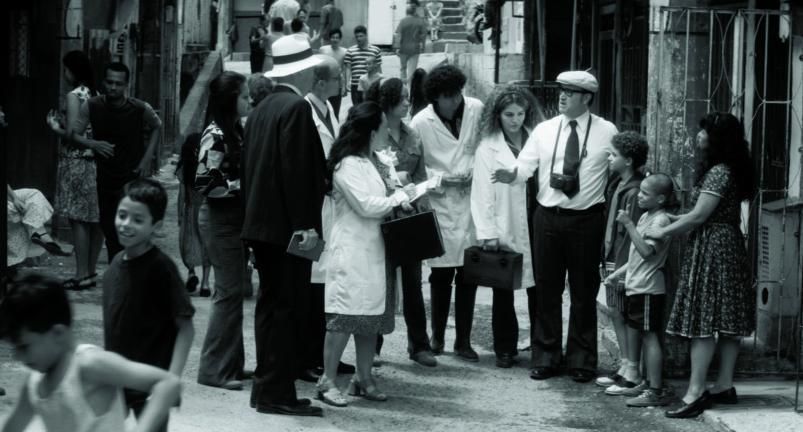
(283, 187)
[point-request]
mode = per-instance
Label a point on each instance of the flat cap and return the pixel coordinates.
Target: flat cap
(579, 79)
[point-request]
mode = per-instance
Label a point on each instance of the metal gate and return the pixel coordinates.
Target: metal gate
(737, 61)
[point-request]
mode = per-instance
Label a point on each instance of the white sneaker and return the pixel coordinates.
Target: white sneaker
(609, 380)
(627, 388)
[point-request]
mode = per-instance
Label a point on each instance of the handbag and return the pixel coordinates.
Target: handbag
(499, 269)
(413, 238)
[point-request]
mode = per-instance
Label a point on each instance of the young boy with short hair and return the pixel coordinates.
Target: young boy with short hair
(371, 76)
(73, 387)
(147, 313)
(646, 291)
(625, 162)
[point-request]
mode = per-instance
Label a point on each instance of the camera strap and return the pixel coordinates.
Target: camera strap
(583, 152)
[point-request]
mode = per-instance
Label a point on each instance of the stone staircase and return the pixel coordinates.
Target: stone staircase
(453, 29)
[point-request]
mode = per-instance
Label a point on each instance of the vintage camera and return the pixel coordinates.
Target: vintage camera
(563, 182)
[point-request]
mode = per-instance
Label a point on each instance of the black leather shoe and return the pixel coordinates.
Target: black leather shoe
(542, 373)
(302, 401)
(467, 353)
(308, 375)
(727, 397)
(345, 368)
(437, 346)
(693, 409)
(582, 375)
(298, 409)
(424, 358)
(505, 361)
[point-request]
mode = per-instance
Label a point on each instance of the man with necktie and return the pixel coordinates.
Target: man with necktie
(570, 154)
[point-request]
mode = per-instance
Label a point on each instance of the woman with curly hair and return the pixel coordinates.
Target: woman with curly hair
(221, 220)
(357, 299)
(404, 148)
(715, 296)
(500, 211)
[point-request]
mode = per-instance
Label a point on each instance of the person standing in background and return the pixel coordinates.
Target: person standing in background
(256, 41)
(411, 34)
(337, 52)
(331, 19)
(356, 64)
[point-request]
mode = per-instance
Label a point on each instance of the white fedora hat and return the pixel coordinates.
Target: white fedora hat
(291, 55)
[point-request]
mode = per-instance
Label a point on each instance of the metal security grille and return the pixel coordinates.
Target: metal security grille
(737, 61)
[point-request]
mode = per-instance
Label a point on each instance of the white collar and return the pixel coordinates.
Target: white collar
(582, 120)
(318, 102)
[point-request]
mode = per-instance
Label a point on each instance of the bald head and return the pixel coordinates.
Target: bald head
(326, 81)
(661, 184)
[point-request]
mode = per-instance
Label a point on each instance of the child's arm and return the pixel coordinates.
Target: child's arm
(644, 249)
(618, 274)
(22, 414)
(108, 368)
(186, 332)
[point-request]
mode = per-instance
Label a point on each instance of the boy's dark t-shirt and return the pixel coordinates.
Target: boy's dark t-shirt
(142, 298)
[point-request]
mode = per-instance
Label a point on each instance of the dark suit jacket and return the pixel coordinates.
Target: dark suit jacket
(283, 169)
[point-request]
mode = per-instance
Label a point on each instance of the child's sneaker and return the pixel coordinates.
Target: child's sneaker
(626, 388)
(609, 380)
(650, 397)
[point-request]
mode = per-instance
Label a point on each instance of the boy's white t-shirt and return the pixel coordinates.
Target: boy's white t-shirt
(646, 276)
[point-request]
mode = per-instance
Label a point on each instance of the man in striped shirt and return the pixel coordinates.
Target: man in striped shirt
(355, 64)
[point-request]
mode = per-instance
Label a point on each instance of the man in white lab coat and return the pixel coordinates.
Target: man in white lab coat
(448, 127)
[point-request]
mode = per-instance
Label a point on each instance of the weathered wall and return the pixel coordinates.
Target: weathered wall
(196, 22)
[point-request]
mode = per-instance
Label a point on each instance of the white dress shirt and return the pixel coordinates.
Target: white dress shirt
(593, 171)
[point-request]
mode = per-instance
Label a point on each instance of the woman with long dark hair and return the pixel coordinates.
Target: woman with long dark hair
(715, 303)
(221, 220)
(76, 191)
(404, 147)
(418, 99)
(357, 299)
(500, 211)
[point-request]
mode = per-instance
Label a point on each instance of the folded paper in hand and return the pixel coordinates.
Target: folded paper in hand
(313, 254)
(422, 188)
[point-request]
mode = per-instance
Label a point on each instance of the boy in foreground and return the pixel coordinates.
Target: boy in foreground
(646, 291)
(74, 387)
(147, 313)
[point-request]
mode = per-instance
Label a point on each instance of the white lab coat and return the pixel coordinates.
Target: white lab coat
(500, 210)
(355, 271)
(327, 210)
(449, 156)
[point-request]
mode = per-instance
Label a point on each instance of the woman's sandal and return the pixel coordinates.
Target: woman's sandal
(50, 246)
(80, 284)
(329, 394)
(370, 392)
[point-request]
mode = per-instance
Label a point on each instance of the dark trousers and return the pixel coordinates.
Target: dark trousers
(336, 102)
(110, 192)
(356, 95)
(504, 324)
(440, 283)
(415, 315)
(257, 58)
(282, 308)
(567, 241)
(315, 329)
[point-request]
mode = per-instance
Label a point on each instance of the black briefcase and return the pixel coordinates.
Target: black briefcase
(412, 238)
(501, 269)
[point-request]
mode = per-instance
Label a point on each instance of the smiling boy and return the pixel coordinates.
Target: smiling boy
(147, 314)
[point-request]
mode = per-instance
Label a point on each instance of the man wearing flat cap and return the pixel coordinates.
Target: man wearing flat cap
(570, 154)
(283, 185)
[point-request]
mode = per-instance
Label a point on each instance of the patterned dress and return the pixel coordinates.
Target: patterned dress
(715, 294)
(76, 188)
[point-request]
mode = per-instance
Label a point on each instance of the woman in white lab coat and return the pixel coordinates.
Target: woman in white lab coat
(364, 193)
(499, 210)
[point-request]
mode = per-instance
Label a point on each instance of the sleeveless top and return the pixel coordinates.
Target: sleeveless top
(66, 408)
(67, 149)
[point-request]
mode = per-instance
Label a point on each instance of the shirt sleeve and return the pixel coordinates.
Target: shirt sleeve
(528, 159)
(150, 118)
(82, 119)
(347, 58)
(378, 57)
(716, 181)
(349, 180)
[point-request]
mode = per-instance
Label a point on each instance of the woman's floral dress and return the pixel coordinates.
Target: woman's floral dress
(715, 293)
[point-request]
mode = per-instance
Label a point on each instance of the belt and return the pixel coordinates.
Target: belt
(596, 208)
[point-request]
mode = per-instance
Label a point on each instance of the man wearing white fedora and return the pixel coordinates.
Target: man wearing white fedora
(283, 188)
